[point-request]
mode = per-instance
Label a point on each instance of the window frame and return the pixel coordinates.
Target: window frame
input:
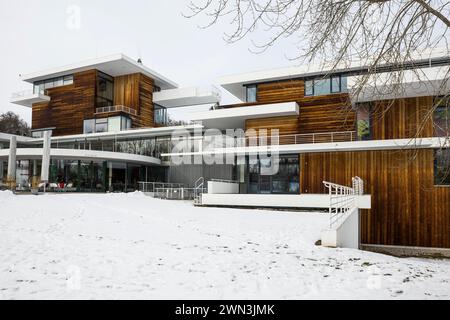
(249, 87)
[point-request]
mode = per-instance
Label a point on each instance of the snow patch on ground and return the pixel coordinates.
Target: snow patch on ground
(125, 246)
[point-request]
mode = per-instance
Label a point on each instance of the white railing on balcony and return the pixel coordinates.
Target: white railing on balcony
(153, 186)
(118, 108)
(27, 93)
(342, 199)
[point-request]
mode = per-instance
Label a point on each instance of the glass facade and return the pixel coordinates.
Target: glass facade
(86, 176)
(285, 181)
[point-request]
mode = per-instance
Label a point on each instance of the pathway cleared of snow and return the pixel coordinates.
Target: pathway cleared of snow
(126, 246)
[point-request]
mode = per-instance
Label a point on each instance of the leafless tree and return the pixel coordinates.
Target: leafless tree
(337, 33)
(12, 123)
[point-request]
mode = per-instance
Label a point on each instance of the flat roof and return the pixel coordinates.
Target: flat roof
(236, 83)
(113, 65)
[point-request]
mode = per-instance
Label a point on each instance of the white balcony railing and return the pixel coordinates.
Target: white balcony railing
(27, 93)
(118, 108)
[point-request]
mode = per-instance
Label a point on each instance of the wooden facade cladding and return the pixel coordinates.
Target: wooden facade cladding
(136, 91)
(407, 209)
(327, 113)
(70, 105)
(402, 118)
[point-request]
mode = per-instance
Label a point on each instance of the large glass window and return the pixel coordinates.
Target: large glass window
(160, 115)
(252, 92)
(105, 90)
(324, 86)
(40, 86)
(285, 181)
(442, 167)
(441, 118)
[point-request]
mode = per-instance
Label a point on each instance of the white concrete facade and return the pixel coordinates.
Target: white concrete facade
(90, 155)
(277, 200)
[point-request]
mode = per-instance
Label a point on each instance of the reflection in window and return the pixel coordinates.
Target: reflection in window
(252, 93)
(105, 90)
(89, 126)
(323, 86)
(441, 118)
(363, 122)
(335, 84)
(442, 167)
(40, 86)
(161, 117)
(309, 87)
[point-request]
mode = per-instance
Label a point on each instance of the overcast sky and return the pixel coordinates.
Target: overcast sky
(41, 34)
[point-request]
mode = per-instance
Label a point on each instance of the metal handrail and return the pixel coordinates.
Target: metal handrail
(152, 186)
(342, 199)
(116, 108)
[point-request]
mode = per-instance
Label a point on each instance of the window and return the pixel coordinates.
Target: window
(111, 124)
(89, 126)
(160, 115)
(335, 84)
(252, 93)
(114, 124)
(441, 118)
(309, 87)
(40, 86)
(324, 86)
(363, 123)
(101, 125)
(285, 181)
(442, 167)
(68, 80)
(105, 90)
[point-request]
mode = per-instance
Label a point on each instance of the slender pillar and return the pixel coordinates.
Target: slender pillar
(46, 157)
(11, 175)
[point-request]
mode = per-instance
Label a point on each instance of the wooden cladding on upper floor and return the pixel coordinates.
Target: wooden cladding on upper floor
(70, 105)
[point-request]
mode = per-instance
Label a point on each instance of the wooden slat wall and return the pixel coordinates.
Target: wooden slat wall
(136, 91)
(71, 105)
(407, 209)
(402, 118)
(328, 113)
(68, 107)
(126, 90)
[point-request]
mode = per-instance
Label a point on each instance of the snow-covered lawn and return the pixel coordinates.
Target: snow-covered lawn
(122, 246)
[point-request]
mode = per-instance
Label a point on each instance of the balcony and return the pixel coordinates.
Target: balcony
(229, 118)
(183, 97)
(27, 98)
(118, 108)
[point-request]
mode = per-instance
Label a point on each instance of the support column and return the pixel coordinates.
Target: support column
(46, 157)
(11, 176)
